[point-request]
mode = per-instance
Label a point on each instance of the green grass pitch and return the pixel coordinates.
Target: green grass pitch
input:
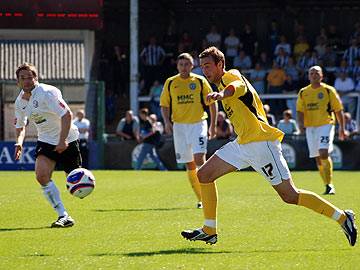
(133, 220)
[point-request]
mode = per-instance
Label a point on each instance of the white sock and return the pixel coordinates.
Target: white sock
(52, 194)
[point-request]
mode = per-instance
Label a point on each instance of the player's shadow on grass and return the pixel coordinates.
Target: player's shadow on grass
(22, 229)
(163, 252)
(141, 209)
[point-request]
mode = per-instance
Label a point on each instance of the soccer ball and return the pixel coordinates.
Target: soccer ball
(80, 182)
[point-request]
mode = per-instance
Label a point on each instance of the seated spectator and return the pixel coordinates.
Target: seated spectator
(270, 117)
(329, 57)
(343, 68)
(287, 124)
(351, 127)
(213, 38)
(231, 44)
(155, 92)
(148, 138)
(265, 61)
(248, 40)
(292, 84)
(186, 41)
(345, 85)
(158, 126)
(276, 81)
(242, 61)
(224, 129)
(284, 45)
(128, 127)
(282, 58)
(257, 78)
(352, 53)
(300, 47)
(320, 46)
(355, 71)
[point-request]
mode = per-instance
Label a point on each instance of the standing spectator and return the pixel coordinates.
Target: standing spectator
(283, 44)
(120, 70)
(169, 43)
(224, 129)
(213, 38)
(83, 126)
(249, 42)
(242, 61)
(257, 78)
(292, 84)
(334, 38)
(155, 93)
(316, 105)
(158, 126)
(231, 44)
(149, 140)
(287, 124)
(352, 53)
(345, 85)
(152, 57)
(273, 35)
(276, 80)
(128, 127)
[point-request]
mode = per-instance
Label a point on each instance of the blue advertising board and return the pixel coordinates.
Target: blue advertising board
(8, 162)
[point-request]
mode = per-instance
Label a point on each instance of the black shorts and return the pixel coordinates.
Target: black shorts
(68, 160)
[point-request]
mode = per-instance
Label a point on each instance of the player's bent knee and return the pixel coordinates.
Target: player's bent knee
(42, 178)
(203, 175)
(290, 198)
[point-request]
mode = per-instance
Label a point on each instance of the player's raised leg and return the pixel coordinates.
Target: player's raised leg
(43, 170)
(214, 168)
(346, 218)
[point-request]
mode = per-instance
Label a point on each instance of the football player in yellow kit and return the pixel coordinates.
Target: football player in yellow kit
(183, 102)
(316, 107)
(257, 145)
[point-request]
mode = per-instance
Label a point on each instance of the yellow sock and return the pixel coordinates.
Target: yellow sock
(209, 200)
(313, 201)
(321, 171)
(328, 169)
(194, 181)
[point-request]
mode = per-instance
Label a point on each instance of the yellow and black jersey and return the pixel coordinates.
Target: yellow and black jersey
(186, 98)
(245, 111)
(318, 105)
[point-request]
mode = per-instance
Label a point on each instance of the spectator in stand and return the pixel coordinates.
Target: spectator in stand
(329, 58)
(334, 38)
(274, 35)
(284, 45)
(152, 57)
(213, 38)
(276, 81)
(288, 124)
(270, 117)
(345, 85)
(323, 34)
(187, 41)
(282, 58)
(248, 40)
(155, 92)
(351, 128)
(291, 84)
(110, 106)
(128, 127)
(170, 43)
(158, 126)
(355, 71)
(300, 47)
(343, 68)
(242, 61)
(352, 53)
(257, 78)
(232, 45)
(120, 70)
(149, 139)
(83, 126)
(265, 61)
(356, 33)
(320, 47)
(224, 129)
